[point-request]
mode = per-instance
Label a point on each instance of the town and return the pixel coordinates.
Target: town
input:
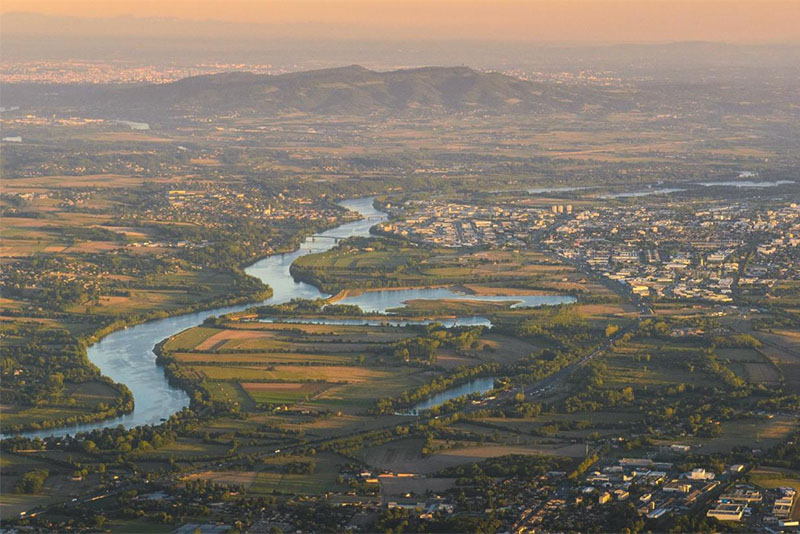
(451, 224)
(662, 251)
(438, 270)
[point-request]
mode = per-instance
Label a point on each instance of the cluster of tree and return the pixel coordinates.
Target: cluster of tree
(582, 467)
(786, 454)
(121, 405)
(423, 348)
(31, 482)
(691, 408)
(118, 440)
(400, 268)
(690, 523)
(514, 465)
(313, 515)
(307, 307)
(400, 520)
(541, 365)
(777, 319)
(560, 326)
(350, 444)
(519, 407)
(712, 365)
(37, 361)
(52, 292)
(181, 377)
(90, 233)
(736, 341)
(781, 403)
(593, 396)
(38, 365)
(300, 467)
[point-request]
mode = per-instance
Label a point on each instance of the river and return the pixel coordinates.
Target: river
(126, 356)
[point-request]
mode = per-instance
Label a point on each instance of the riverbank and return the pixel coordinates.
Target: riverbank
(126, 401)
(123, 349)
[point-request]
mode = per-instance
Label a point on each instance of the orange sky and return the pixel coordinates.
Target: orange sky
(534, 20)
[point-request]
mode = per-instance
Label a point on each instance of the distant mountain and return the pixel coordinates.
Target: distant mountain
(346, 90)
(425, 91)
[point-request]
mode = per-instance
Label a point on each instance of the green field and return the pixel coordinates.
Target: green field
(775, 478)
(368, 265)
(291, 373)
(265, 358)
(333, 376)
(280, 393)
(189, 339)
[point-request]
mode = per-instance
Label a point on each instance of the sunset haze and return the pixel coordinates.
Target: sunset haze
(745, 21)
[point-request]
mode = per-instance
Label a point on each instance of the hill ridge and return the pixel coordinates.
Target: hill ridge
(350, 89)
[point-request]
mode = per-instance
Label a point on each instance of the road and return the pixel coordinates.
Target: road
(498, 401)
(643, 311)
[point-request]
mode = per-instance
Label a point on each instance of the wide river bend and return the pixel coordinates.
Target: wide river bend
(126, 356)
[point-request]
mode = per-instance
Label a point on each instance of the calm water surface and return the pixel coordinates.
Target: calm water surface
(565, 189)
(645, 192)
(747, 183)
(382, 301)
(479, 385)
(474, 320)
(126, 356)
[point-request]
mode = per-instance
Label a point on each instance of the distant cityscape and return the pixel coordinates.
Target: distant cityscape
(664, 252)
(396, 287)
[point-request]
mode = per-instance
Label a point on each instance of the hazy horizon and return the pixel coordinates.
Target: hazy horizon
(536, 21)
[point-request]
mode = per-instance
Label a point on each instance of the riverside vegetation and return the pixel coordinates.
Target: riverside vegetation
(299, 408)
